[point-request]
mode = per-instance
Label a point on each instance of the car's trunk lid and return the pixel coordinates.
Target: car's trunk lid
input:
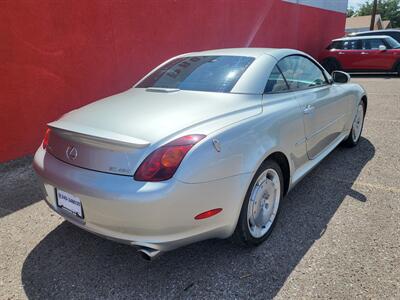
(114, 134)
(93, 148)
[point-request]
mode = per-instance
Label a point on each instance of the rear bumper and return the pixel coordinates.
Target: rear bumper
(156, 215)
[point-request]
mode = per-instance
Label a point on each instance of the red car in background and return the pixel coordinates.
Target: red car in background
(379, 53)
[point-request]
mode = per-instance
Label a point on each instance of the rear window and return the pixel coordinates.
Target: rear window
(199, 73)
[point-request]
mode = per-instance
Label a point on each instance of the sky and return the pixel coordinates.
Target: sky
(356, 3)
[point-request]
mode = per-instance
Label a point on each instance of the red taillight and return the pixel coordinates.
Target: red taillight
(46, 138)
(162, 163)
(208, 213)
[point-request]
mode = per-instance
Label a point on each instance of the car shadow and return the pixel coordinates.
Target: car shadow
(18, 185)
(71, 263)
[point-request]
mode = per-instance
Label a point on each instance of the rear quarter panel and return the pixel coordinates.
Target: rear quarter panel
(246, 144)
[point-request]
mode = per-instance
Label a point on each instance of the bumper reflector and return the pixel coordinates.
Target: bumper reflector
(208, 213)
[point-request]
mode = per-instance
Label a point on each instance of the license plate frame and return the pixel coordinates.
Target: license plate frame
(69, 203)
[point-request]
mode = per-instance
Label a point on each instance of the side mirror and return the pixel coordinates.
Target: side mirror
(382, 48)
(340, 77)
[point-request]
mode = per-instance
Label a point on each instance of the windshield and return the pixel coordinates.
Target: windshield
(393, 43)
(199, 73)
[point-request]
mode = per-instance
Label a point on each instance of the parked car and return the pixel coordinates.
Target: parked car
(363, 54)
(394, 33)
(205, 146)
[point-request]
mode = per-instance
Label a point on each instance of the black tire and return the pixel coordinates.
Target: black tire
(330, 65)
(352, 141)
(242, 233)
(397, 69)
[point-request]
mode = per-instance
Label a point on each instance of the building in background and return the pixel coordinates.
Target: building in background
(60, 55)
(386, 24)
(362, 23)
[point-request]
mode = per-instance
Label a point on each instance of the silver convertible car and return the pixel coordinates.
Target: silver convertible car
(205, 146)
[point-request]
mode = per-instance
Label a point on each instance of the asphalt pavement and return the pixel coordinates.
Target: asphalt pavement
(338, 235)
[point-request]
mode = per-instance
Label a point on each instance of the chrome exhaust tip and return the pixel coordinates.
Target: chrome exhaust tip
(148, 253)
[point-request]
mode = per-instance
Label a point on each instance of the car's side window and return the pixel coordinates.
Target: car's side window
(301, 73)
(336, 45)
(351, 45)
(396, 36)
(372, 44)
(276, 82)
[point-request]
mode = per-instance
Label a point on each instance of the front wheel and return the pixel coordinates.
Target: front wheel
(357, 127)
(261, 205)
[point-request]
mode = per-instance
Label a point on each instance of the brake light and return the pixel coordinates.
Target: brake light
(162, 163)
(46, 138)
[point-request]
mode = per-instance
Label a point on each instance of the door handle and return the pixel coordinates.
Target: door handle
(309, 109)
(364, 53)
(340, 52)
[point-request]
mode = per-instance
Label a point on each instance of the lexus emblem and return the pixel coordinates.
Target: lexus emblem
(71, 153)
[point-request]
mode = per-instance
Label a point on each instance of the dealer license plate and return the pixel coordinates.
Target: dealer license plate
(69, 202)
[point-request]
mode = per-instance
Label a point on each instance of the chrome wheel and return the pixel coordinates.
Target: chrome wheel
(263, 203)
(358, 123)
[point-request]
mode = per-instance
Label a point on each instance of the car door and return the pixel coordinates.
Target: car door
(323, 105)
(284, 118)
(375, 59)
(349, 54)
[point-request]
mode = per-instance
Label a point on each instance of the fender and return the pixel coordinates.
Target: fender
(246, 144)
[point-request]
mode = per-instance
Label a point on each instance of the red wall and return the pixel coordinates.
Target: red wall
(60, 55)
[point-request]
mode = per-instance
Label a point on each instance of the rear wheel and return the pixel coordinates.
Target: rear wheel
(357, 127)
(261, 205)
(331, 64)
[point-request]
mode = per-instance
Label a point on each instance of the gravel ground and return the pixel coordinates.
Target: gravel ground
(338, 235)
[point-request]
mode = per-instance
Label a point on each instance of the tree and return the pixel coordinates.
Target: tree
(388, 9)
(351, 12)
